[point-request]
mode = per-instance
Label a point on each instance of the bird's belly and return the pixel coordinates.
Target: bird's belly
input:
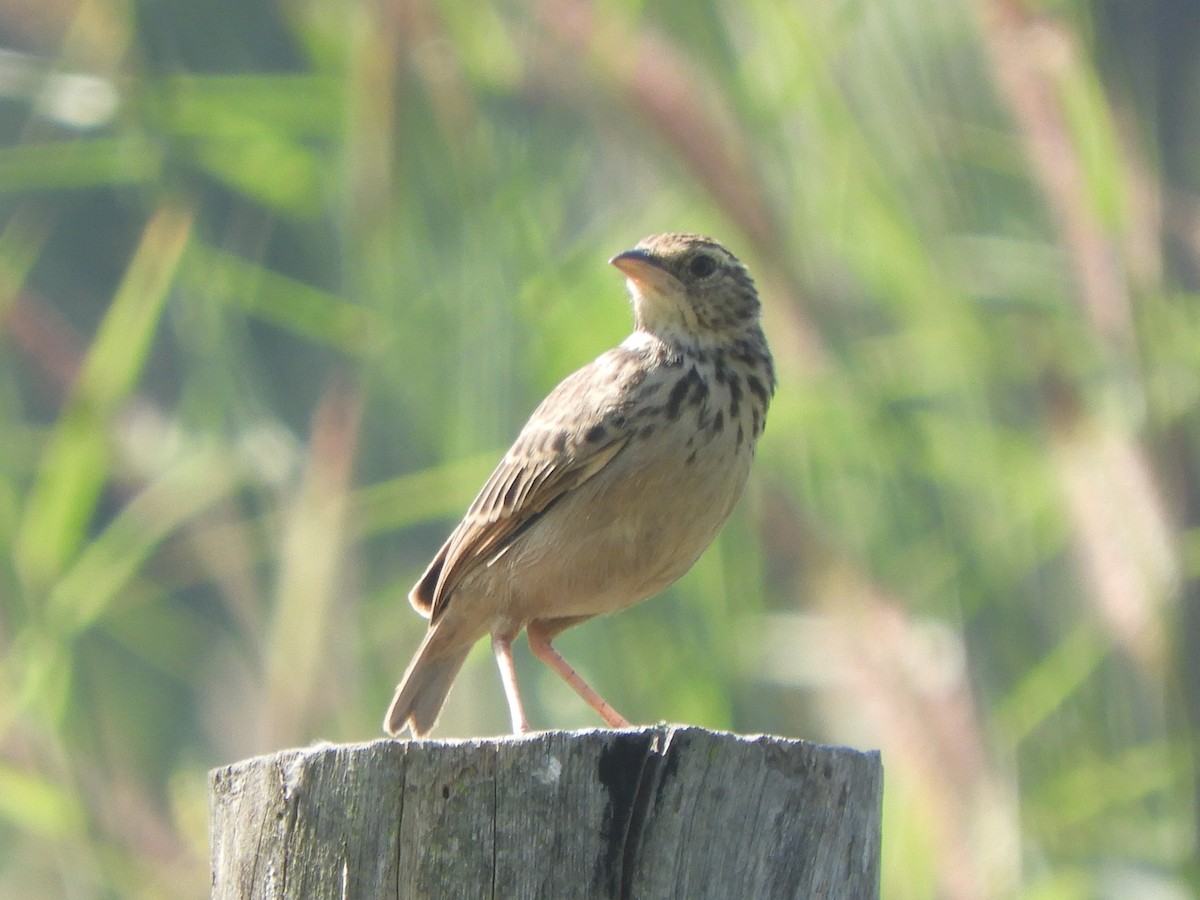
(625, 535)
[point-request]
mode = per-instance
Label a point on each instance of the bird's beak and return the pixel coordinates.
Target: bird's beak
(645, 273)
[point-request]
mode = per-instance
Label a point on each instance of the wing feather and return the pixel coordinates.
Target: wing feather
(573, 435)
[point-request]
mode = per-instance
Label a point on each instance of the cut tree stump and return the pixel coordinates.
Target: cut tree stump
(646, 813)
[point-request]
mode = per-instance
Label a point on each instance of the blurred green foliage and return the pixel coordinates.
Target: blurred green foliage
(279, 282)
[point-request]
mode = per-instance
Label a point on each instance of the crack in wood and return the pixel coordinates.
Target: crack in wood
(400, 819)
(630, 768)
(649, 778)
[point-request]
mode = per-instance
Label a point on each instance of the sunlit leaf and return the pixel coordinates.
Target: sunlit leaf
(75, 465)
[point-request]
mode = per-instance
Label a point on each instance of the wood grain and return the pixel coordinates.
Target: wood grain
(652, 812)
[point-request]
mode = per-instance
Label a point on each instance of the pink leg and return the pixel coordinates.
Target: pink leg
(502, 647)
(540, 634)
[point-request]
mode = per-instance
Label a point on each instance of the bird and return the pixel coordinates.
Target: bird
(616, 484)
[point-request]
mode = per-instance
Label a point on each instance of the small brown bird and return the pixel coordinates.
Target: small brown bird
(615, 486)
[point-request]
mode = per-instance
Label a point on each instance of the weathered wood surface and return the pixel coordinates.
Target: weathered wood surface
(644, 813)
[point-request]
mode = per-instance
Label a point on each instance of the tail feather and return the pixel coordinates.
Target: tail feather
(422, 691)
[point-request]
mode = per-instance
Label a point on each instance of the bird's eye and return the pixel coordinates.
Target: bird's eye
(702, 265)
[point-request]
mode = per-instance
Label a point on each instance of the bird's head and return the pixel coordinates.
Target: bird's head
(688, 287)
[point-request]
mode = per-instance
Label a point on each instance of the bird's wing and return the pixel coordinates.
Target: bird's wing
(577, 430)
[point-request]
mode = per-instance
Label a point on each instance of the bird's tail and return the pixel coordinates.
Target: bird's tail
(423, 690)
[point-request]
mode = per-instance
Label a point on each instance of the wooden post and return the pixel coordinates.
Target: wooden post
(653, 812)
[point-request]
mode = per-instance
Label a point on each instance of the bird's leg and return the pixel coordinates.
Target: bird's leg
(540, 634)
(502, 647)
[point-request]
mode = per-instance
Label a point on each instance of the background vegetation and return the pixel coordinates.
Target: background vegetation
(280, 280)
